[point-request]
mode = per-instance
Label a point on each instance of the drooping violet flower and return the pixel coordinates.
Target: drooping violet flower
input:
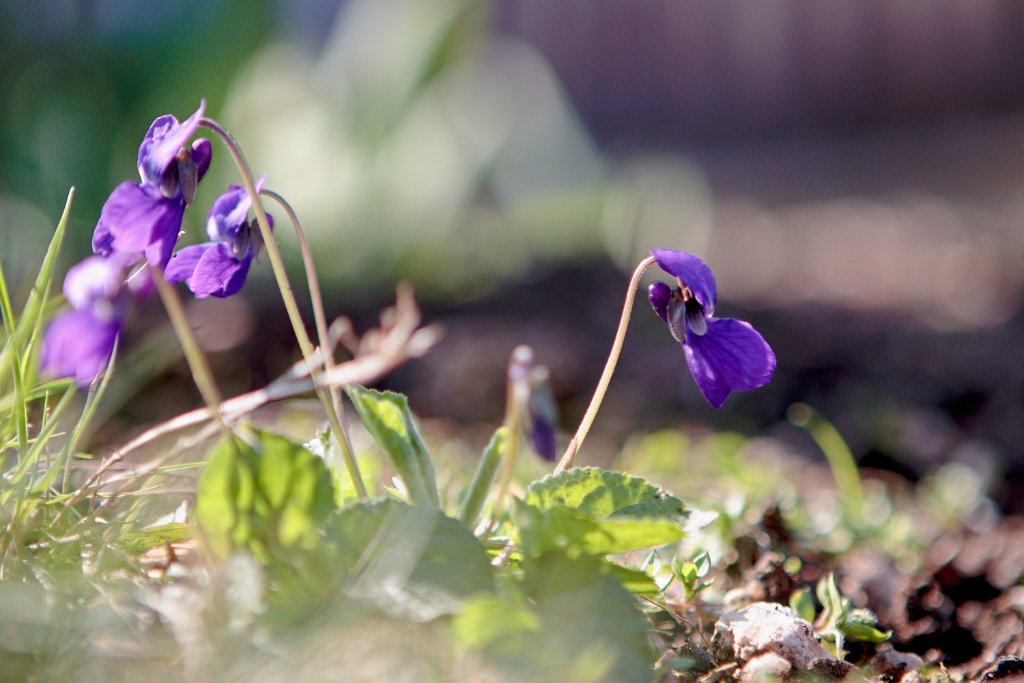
(724, 355)
(78, 343)
(218, 268)
(144, 219)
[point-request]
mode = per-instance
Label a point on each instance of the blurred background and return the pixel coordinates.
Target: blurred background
(852, 172)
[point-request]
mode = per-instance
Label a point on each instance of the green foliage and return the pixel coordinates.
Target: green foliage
(596, 512)
(690, 573)
(839, 619)
(268, 497)
(476, 495)
(603, 493)
(410, 561)
(386, 416)
(566, 619)
(155, 536)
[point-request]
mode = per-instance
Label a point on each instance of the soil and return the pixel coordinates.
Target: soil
(960, 617)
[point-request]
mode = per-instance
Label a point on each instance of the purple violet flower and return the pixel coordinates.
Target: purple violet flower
(218, 268)
(144, 219)
(724, 355)
(78, 343)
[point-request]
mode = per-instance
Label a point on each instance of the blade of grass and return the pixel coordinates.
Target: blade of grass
(19, 412)
(32, 317)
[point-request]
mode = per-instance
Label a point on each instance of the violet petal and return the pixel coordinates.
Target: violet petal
(218, 273)
(159, 149)
(95, 278)
(77, 344)
(693, 272)
(135, 217)
(732, 356)
(183, 263)
(660, 294)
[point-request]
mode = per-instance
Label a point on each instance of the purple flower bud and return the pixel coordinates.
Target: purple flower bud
(543, 414)
(536, 404)
(723, 354)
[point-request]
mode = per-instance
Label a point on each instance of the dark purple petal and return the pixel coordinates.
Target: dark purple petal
(542, 439)
(136, 217)
(218, 273)
(732, 356)
(660, 294)
(77, 344)
(183, 263)
(102, 240)
(93, 279)
(694, 273)
(159, 150)
(202, 153)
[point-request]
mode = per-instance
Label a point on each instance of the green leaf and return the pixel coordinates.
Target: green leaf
(865, 633)
(859, 624)
(476, 494)
(489, 621)
(152, 537)
(633, 580)
(268, 497)
(591, 627)
(561, 619)
(603, 493)
(386, 416)
(543, 530)
(412, 562)
(802, 603)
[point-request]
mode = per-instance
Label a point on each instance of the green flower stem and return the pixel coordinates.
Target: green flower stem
(290, 304)
(319, 316)
(190, 345)
(609, 369)
(511, 428)
(840, 460)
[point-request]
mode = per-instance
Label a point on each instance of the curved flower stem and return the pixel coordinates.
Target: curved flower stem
(609, 369)
(521, 355)
(190, 345)
(290, 304)
(313, 282)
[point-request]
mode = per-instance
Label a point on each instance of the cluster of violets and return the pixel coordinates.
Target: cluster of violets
(140, 225)
(138, 229)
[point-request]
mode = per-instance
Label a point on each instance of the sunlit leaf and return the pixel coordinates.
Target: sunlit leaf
(604, 493)
(543, 530)
(386, 416)
(265, 497)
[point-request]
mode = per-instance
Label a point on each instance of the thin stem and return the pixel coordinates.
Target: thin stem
(609, 369)
(290, 304)
(319, 316)
(190, 345)
(511, 426)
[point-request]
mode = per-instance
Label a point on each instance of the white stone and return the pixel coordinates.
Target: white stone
(768, 627)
